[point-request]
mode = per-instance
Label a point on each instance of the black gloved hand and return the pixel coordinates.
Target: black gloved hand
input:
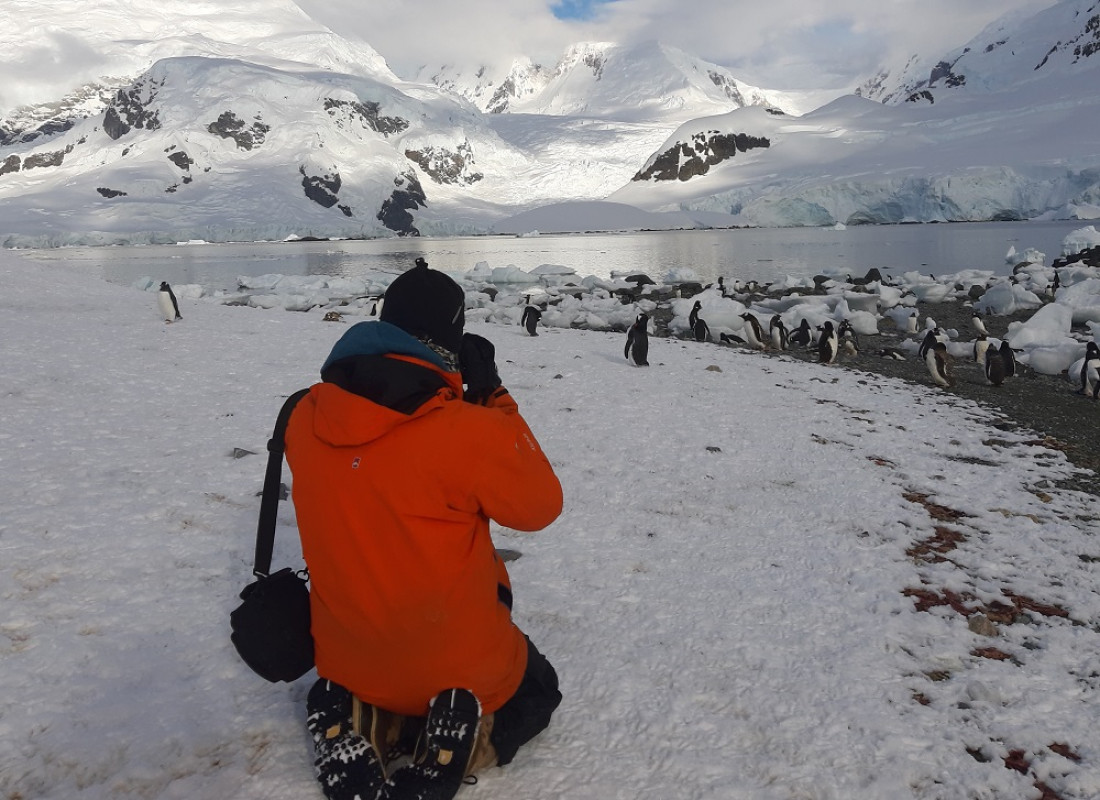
(476, 361)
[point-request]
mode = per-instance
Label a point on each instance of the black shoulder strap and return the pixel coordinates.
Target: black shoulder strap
(269, 503)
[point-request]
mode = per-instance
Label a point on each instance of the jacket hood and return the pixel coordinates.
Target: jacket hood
(377, 378)
(378, 338)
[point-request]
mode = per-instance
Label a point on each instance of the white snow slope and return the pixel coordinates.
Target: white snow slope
(730, 595)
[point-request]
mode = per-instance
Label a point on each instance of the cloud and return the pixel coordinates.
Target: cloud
(776, 44)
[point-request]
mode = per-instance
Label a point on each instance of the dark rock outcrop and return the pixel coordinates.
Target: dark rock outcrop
(408, 196)
(109, 193)
(229, 126)
(445, 166)
(130, 108)
(11, 164)
(51, 159)
(321, 189)
(685, 160)
(367, 113)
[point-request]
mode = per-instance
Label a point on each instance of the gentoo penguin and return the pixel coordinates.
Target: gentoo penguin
(166, 299)
(891, 353)
(802, 335)
(730, 338)
(779, 333)
(930, 338)
(994, 366)
(530, 320)
(700, 330)
(754, 334)
(827, 347)
(981, 345)
(1009, 359)
(911, 323)
(694, 315)
(1090, 371)
(847, 335)
(939, 364)
(637, 342)
(979, 325)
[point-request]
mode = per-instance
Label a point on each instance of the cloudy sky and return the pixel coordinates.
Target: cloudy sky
(782, 44)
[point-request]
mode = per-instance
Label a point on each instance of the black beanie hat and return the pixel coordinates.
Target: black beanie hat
(426, 303)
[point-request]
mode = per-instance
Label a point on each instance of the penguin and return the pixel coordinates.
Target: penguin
(994, 366)
(891, 353)
(694, 314)
(939, 364)
(981, 346)
(930, 338)
(778, 330)
(802, 336)
(166, 299)
(911, 323)
(730, 338)
(1009, 359)
(848, 341)
(827, 344)
(637, 342)
(530, 320)
(978, 323)
(700, 330)
(1090, 371)
(754, 334)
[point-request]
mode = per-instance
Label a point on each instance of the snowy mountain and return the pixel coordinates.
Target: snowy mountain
(1015, 51)
(176, 121)
(644, 82)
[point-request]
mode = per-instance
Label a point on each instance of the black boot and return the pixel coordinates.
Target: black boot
(440, 763)
(347, 767)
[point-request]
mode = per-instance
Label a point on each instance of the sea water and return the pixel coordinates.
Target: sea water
(760, 254)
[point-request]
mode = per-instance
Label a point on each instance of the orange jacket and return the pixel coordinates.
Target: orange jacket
(393, 510)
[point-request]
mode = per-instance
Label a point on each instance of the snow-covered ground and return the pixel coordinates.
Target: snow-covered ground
(732, 596)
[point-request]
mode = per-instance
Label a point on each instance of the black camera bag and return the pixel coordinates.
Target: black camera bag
(271, 628)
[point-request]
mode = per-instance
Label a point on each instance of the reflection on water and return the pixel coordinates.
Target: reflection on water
(762, 254)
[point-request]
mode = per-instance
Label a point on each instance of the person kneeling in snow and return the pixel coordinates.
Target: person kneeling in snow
(397, 471)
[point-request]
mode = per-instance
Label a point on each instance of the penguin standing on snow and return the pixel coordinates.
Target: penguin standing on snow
(780, 337)
(827, 346)
(637, 342)
(754, 334)
(530, 320)
(166, 299)
(981, 346)
(699, 328)
(1090, 371)
(802, 335)
(939, 364)
(994, 366)
(1009, 359)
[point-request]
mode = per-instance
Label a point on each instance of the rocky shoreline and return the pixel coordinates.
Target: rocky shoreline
(1046, 404)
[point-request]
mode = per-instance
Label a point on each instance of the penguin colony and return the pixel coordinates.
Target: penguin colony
(997, 361)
